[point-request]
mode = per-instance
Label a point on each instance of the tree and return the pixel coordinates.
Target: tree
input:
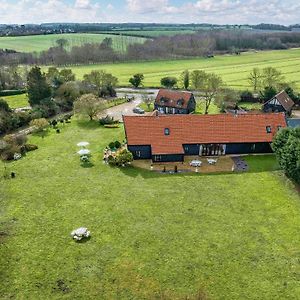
(148, 101)
(37, 86)
(100, 80)
(185, 79)
(56, 78)
(268, 93)
(197, 79)
(62, 43)
(39, 124)
(228, 98)
(271, 77)
(286, 146)
(89, 105)
(168, 82)
(67, 93)
(136, 79)
(209, 84)
(255, 78)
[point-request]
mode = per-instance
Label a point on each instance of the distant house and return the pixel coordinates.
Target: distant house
(279, 103)
(164, 138)
(174, 102)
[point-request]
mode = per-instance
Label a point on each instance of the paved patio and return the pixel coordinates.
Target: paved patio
(223, 164)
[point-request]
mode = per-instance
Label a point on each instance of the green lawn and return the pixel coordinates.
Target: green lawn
(154, 236)
(37, 43)
(233, 69)
(16, 100)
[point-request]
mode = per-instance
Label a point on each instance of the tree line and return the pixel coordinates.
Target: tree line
(202, 43)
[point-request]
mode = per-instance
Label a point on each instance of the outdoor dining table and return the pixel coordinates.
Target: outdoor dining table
(196, 163)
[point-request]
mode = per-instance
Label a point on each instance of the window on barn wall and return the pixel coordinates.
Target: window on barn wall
(268, 129)
(167, 131)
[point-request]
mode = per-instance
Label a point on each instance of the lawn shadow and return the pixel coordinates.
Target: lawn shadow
(41, 134)
(87, 164)
(84, 240)
(87, 124)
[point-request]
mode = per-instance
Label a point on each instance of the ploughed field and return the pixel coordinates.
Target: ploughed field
(38, 43)
(233, 69)
(153, 236)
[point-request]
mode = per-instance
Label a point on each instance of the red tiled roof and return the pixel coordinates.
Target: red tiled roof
(173, 97)
(200, 129)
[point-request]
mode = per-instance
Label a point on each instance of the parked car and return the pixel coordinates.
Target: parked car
(138, 110)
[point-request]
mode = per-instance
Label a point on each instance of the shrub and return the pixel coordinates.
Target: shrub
(117, 144)
(107, 120)
(4, 106)
(20, 139)
(124, 157)
(30, 147)
(121, 159)
(12, 92)
(286, 146)
(111, 145)
(39, 124)
(9, 153)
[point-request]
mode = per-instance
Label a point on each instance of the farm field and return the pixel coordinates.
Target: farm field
(233, 69)
(16, 101)
(153, 236)
(156, 33)
(38, 43)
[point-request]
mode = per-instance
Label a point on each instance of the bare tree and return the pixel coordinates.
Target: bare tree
(209, 84)
(89, 105)
(255, 79)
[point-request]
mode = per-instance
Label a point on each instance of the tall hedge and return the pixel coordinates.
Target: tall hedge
(286, 146)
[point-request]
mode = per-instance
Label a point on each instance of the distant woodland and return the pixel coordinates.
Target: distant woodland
(202, 43)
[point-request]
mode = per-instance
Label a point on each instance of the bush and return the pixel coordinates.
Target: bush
(12, 92)
(107, 120)
(286, 146)
(112, 145)
(30, 147)
(124, 157)
(20, 139)
(9, 153)
(39, 124)
(4, 106)
(117, 144)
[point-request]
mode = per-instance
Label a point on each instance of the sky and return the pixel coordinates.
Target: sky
(151, 11)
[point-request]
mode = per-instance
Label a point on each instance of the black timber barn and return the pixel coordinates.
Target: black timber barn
(174, 102)
(164, 138)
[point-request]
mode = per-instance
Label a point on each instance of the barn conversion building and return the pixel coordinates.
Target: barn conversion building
(174, 102)
(164, 138)
(279, 103)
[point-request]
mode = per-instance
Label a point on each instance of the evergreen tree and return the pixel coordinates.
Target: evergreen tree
(37, 86)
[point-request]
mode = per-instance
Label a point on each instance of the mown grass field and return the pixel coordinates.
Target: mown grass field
(154, 236)
(16, 101)
(156, 33)
(233, 69)
(38, 43)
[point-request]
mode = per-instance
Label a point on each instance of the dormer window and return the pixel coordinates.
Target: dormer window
(180, 102)
(167, 131)
(163, 100)
(269, 129)
(279, 127)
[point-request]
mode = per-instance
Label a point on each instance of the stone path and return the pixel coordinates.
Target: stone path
(240, 164)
